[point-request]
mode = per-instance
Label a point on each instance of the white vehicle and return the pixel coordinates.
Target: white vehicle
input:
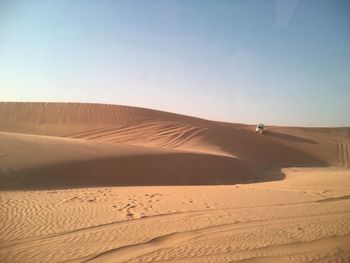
(260, 128)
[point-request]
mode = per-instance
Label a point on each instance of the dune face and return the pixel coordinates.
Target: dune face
(233, 152)
(105, 183)
(61, 162)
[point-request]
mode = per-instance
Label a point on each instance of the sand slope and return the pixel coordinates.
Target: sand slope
(32, 161)
(106, 183)
(233, 152)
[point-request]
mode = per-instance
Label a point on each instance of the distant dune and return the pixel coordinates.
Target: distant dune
(77, 144)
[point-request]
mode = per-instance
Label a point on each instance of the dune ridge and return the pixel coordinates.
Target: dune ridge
(233, 152)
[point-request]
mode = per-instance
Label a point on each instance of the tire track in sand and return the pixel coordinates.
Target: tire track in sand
(343, 153)
(134, 251)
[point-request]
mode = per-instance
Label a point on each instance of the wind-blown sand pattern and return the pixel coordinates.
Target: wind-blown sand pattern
(104, 183)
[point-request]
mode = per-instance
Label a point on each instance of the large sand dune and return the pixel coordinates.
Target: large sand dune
(278, 197)
(173, 146)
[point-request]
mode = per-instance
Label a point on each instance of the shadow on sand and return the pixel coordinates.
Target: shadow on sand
(259, 159)
(288, 137)
(146, 170)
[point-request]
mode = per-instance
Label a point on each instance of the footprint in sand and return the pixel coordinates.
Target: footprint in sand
(75, 198)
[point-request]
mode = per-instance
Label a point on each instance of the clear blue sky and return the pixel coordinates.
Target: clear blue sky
(278, 62)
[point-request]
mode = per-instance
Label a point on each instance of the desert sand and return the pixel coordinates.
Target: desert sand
(106, 183)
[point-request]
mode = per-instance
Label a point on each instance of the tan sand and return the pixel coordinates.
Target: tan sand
(104, 183)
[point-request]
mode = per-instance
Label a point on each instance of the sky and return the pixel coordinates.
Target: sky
(281, 62)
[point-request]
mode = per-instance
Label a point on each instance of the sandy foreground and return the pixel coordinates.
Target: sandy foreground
(104, 183)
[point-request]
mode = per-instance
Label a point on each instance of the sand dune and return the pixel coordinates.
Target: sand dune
(66, 118)
(106, 183)
(31, 161)
(234, 149)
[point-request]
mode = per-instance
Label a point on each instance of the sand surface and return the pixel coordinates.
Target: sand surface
(104, 183)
